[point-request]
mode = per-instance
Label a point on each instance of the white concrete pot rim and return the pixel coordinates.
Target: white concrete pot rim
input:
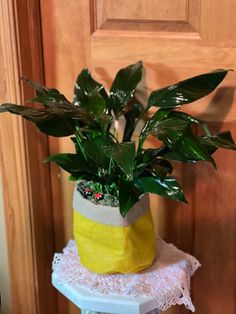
(109, 215)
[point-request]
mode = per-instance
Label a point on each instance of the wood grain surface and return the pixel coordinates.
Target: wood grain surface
(26, 181)
(175, 42)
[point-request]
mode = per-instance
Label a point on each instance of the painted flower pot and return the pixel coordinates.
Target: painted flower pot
(109, 243)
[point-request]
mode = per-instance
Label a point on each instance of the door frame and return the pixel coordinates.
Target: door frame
(26, 180)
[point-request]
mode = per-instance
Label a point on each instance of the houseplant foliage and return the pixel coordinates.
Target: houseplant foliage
(124, 169)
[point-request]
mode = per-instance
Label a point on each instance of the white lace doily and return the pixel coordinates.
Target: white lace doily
(167, 280)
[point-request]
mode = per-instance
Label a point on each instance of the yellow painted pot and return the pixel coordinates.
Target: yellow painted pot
(107, 242)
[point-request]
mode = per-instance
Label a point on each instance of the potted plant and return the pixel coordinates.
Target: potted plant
(112, 222)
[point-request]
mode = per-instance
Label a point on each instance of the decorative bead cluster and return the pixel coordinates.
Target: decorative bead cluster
(88, 193)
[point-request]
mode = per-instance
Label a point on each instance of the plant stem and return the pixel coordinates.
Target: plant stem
(109, 167)
(106, 189)
(79, 137)
(141, 142)
(206, 129)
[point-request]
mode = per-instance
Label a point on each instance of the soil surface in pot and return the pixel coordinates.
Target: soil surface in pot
(88, 191)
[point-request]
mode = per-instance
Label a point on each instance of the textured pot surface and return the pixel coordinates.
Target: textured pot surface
(109, 243)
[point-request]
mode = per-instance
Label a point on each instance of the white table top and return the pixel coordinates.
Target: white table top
(109, 303)
(165, 283)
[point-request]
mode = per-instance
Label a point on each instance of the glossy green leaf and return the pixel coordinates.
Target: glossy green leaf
(116, 167)
(124, 155)
(183, 116)
(192, 148)
(147, 156)
(95, 149)
(189, 149)
(50, 121)
(39, 88)
(51, 100)
(96, 104)
(46, 96)
(105, 122)
(168, 187)
(188, 118)
(159, 115)
(160, 167)
(79, 149)
(72, 164)
(177, 155)
(124, 85)
(169, 130)
(131, 117)
(84, 86)
(128, 196)
(223, 140)
(154, 121)
(187, 91)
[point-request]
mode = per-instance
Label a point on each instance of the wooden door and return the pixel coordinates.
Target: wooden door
(175, 39)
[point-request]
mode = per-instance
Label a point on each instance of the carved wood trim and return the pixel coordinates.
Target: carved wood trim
(147, 26)
(93, 16)
(194, 14)
(26, 181)
(190, 25)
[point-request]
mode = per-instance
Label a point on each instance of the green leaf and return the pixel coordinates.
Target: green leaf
(192, 120)
(223, 140)
(161, 114)
(168, 187)
(46, 95)
(105, 122)
(183, 116)
(39, 88)
(50, 121)
(131, 117)
(71, 178)
(159, 167)
(123, 154)
(124, 85)
(187, 91)
(78, 142)
(147, 156)
(128, 196)
(169, 130)
(68, 162)
(96, 104)
(192, 149)
(95, 149)
(179, 156)
(72, 164)
(51, 100)
(84, 86)
(189, 149)
(153, 122)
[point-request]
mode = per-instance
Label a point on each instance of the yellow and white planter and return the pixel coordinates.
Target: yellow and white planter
(109, 243)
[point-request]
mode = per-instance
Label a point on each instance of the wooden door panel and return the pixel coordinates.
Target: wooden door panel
(66, 52)
(214, 236)
(178, 16)
(147, 11)
(175, 39)
(217, 22)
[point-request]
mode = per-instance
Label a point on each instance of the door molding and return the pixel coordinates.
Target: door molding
(26, 180)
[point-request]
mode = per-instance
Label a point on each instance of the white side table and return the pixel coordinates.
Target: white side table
(165, 283)
(92, 303)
